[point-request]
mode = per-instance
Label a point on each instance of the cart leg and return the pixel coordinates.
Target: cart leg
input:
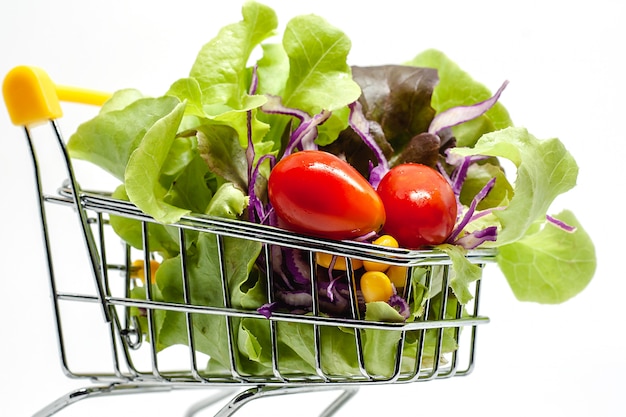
(263, 391)
(209, 401)
(96, 391)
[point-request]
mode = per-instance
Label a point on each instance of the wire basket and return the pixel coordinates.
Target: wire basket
(194, 335)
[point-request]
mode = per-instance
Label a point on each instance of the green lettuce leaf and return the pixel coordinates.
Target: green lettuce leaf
(463, 272)
(551, 265)
(112, 136)
(545, 169)
(542, 264)
(143, 172)
(319, 76)
(457, 88)
(221, 65)
(161, 238)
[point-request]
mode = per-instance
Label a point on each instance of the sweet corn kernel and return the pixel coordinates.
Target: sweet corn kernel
(324, 260)
(384, 240)
(137, 270)
(376, 286)
(397, 275)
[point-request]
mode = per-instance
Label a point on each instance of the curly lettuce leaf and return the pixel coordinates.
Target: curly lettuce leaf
(143, 172)
(204, 271)
(108, 139)
(457, 88)
(545, 170)
(542, 264)
(319, 75)
(161, 238)
(463, 273)
(221, 65)
(551, 265)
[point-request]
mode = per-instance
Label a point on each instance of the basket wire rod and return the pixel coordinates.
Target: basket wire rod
(227, 304)
(106, 285)
(472, 342)
(48, 252)
(267, 234)
(355, 314)
(150, 297)
(258, 392)
(187, 300)
(131, 336)
(454, 360)
(269, 272)
(421, 344)
(84, 224)
(315, 309)
(442, 314)
(131, 333)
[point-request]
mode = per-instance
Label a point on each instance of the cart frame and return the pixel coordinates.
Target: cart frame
(127, 337)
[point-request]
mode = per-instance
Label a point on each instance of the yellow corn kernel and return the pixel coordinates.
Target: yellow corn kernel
(137, 270)
(384, 240)
(324, 260)
(397, 275)
(376, 286)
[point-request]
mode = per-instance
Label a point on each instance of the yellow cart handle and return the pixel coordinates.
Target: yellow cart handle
(32, 98)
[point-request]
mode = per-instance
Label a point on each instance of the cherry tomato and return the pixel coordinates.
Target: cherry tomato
(420, 205)
(317, 193)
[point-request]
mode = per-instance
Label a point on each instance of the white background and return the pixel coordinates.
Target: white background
(565, 63)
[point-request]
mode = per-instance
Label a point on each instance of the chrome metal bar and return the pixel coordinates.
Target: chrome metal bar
(88, 239)
(277, 316)
(259, 392)
(150, 297)
(191, 342)
(48, 253)
(273, 235)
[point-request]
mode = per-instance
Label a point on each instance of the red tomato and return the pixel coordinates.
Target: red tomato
(420, 205)
(316, 193)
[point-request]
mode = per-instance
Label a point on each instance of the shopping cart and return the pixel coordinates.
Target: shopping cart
(418, 349)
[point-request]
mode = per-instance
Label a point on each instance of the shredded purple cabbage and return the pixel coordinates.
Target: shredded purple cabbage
(560, 224)
(267, 309)
(476, 238)
(360, 125)
(400, 305)
(461, 114)
(298, 268)
(303, 137)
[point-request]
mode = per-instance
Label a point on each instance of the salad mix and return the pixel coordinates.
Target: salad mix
(211, 143)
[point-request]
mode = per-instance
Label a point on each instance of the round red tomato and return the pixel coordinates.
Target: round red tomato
(420, 205)
(316, 193)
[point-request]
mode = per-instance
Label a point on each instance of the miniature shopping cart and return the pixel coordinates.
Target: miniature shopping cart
(104, 275)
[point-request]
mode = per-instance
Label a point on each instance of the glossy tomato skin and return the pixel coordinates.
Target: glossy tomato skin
(317, 193)
(420, 204)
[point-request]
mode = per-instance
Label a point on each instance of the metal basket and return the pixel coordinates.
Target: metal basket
(438, 343)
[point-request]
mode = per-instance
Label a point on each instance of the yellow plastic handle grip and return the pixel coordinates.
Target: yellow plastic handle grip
(32, 98)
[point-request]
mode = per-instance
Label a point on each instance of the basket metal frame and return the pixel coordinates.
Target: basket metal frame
(93, 210)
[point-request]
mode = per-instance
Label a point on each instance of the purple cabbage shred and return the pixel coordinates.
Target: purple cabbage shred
(400, 305)
(560, 224)
(359, 123)
(461, 114)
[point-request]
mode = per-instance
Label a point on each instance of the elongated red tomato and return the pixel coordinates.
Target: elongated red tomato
(316, 193)
(420, 205)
